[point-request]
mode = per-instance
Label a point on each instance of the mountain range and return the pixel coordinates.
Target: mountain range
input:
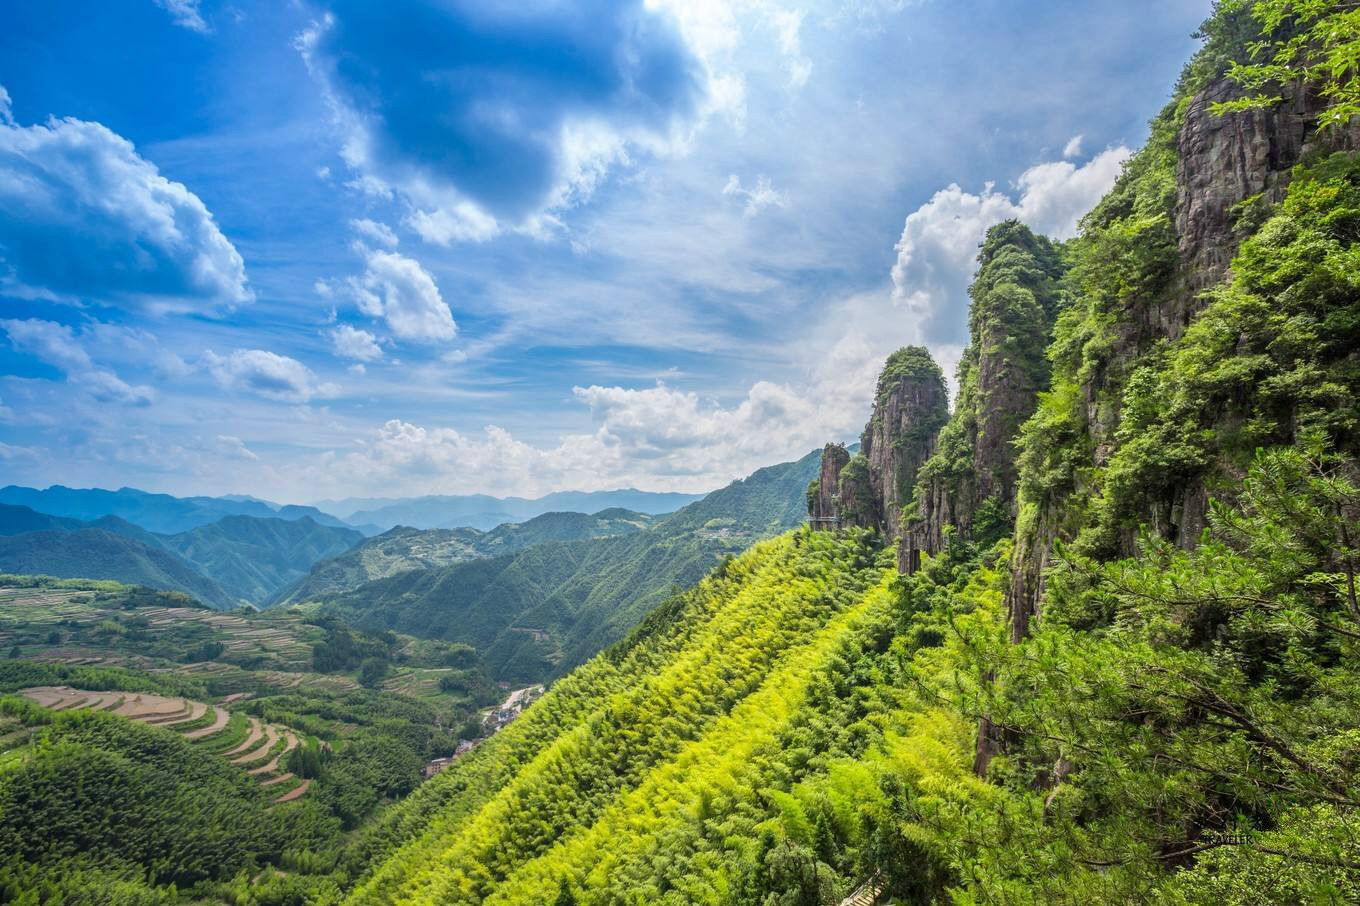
(485, 512)
(154, 512)
(536, 613)
(236, 559)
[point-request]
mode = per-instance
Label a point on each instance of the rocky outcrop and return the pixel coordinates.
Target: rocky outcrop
(972, 475)
(859, 502)
(871, 487)
(1225, 160)
(910, 406)
(824, 492)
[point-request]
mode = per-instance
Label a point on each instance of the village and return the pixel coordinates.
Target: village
(493, 721)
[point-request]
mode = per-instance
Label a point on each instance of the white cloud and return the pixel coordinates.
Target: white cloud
(235, 448)
(400, 291)
(83, 216)
(1073, 147)
(186, 14)
(11, 453)
(380, 233)
(266, 374)
(57, 345)
(352, 343)
(6, 110)
(107, 387)
(762, 195)
(936, 256)
(54, 343)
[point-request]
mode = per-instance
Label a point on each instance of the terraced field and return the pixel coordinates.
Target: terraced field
(101, 624)
(260, 749)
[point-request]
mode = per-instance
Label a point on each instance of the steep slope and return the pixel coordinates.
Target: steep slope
(403, 549)
(252, 558)
(536, 613)
(92, 553)
(725, 677)
(1149, 692)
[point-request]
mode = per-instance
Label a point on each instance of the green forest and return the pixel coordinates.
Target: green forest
(1102, 645)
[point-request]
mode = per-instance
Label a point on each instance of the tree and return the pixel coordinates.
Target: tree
(1317, 41)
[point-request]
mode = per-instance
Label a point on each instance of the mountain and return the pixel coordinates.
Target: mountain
(253, 558)
(238, 558)
(95, 553)
(403, 548)
(160, 513)
(15, 520)
(484, 512)
(536, 613)
(1091, 637)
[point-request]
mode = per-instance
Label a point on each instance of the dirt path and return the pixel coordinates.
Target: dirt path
(196, 710)
(290, 743)
(218, 724)
(271, 736)
(295, 793)
(256, 731)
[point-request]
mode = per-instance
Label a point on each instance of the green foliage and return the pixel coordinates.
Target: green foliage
(1316, 41)
(536, 614)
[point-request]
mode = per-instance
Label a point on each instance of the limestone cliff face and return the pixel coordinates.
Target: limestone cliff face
(910, 407)
(972, 473)
(871, 487)
(1224, 160)
(824, 492)
(1220, 165)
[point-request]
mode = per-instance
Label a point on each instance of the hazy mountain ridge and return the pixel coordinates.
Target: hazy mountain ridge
(162, 513)
(482, 511)
(403, 549)
(535, 613)
(237, 558)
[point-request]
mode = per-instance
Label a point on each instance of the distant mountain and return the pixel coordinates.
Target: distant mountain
(253, 558)
(404, 548)
(154, 512)
(538, 612)
(94, 553)
(237, 558)
(485, 512)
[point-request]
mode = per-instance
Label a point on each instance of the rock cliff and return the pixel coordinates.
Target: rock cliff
(972, 474)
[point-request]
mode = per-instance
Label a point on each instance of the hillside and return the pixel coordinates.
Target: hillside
(534, 614)
(403, 549)
(237, 558)
(1117, 660)
(251, 559)
(484, 512)
(99, 554)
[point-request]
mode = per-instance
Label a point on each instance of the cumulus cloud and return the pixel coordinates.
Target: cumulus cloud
(762, 195)
(186, 13)
(83, 216)
(57, 345)
(399, 290)
(235, 448)
(1073, 147)
(352, 343)
(657, 437)
(380, 233)
(6, 111)
(936, 256)
(266, 374)
(508, 108)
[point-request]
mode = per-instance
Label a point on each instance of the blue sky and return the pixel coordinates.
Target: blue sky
(318, 249)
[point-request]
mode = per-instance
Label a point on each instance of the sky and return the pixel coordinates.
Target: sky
(308, 250)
